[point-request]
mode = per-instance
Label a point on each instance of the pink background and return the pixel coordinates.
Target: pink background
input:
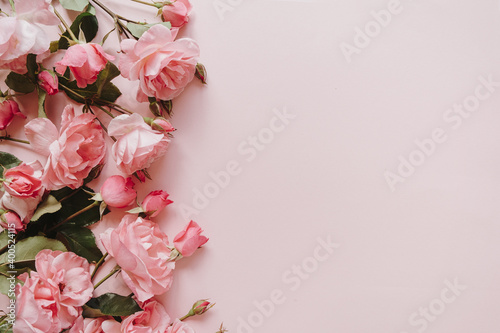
(323, 174)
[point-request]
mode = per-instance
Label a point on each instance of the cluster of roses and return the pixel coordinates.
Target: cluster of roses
(57, 293)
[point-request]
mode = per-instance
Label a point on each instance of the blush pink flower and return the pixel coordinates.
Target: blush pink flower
(137, 145)
(67, 272)
(23, 189)
(100, 325)
(154, 318)
(164, 67)
(8, 110)
(141, 249)
(49, 82)
(36, 306)
(10, 220)
(118, 192)
(177, 13)
(24, 180)
(189, 239)
(22, 34)
(85, 61)
(154, 202)
(179, 327)
(72, 154)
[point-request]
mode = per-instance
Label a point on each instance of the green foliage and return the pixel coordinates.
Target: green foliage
(111, 304)
(7, 161)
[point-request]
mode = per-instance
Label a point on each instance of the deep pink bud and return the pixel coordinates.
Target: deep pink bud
(118, 192)
(8, 109)
(154, 202)
(162, 124)
(49, 82)
(12, 221)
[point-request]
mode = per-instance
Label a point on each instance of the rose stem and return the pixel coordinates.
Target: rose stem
(116, 269)
(99, 263)
(15, 140)
(89, 207)
(72, 35)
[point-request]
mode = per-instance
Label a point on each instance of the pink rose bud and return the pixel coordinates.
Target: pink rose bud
(177, 13)
(154, 202)
(48, 81)
(12, 221)
(24, 180)
(118, 192)
(201, 307)
(162, 124)
(8, 109)
(189, 239)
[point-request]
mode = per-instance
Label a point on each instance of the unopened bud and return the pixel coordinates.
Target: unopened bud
(201, 73)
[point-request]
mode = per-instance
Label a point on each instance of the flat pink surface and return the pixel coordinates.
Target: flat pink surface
(418, 257)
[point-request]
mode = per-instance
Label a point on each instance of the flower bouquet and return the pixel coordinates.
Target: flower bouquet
(51, 262)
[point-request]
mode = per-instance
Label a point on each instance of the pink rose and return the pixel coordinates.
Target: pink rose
(179, 327)
(49, 82)
(141, 249)
(72, 154)
(23, 189)
(189, 239)
(85, 61)
(100, 325)
(118, 192)
(154, 202)
(8, 110)
(69, 273)
(36, 306)
(21, 34)
(154, 318)
(12, 221)
(24, 180)
(137, 145)
(162, 66)
(177, 13)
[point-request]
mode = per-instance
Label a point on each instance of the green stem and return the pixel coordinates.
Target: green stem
(12, 5)
(189, 314)
(116, 269)
(81, 211)
(105, 111)
(72, 35)
(116, 18)
(15, 140)
(99, 263)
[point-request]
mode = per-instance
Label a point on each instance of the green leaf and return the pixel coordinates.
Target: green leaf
(138, 30)
(49, 205)
(110, 93)
(28, 248)
(111, 304)
(19, 83)
(42, 95)
(82, 241)
(5, 283)
(76, 200)
(7, 161)
(32, 66)
(87, 22)
(76, 5)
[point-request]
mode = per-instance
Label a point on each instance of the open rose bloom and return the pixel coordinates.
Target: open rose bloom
(163, 66)
(73, 152)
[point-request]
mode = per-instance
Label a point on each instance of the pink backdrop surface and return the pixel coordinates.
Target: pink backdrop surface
(344, 160)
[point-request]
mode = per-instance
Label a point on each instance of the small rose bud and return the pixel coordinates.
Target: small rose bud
(118, 192)
(154, 202)
(189, 239)
(49, 82)
(12, 221)
(177, 12)
(201, 307)
(8, 110)
(162, 124)
(201, 73)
